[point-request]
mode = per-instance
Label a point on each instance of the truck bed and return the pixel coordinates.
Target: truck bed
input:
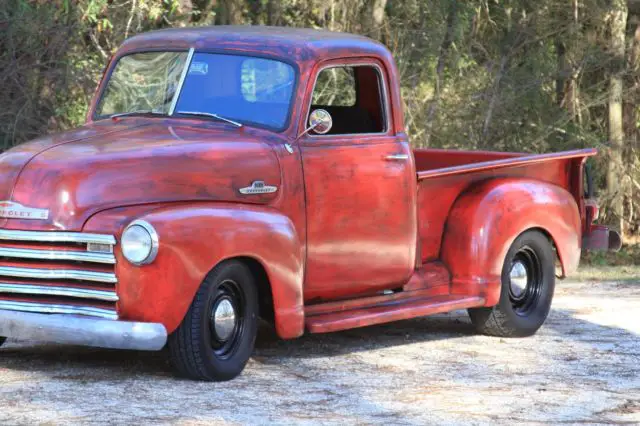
(442, 162)
(444, 174)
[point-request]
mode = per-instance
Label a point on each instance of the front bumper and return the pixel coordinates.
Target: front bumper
(601, 238)
(84, 331)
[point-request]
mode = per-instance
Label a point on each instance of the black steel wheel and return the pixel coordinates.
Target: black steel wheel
(528, 283)
(525, 281)
(217, 336)
(226, 322)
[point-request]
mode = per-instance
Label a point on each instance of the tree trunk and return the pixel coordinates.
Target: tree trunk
(373, 18)
(231, 12)
(447, 40)
(632, 117)
(568, 70)
(561, 79)
(495, 93)
(274, 12)
(615, 172)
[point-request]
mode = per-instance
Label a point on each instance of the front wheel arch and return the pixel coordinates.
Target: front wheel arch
(263, 284)
(196, 237)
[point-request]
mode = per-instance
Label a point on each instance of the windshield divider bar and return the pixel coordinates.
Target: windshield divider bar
(183, 77)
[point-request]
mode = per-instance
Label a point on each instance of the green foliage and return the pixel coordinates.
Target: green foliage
(629, 254)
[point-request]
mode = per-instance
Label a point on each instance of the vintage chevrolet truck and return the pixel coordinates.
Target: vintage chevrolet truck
(228, 174)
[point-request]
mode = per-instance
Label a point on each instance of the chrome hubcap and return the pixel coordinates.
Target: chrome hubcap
(518, 279)
(224, 319)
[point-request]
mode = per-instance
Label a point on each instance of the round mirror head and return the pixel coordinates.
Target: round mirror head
(320, 121)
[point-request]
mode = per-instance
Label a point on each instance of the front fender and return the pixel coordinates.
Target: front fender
(193, 239)
(485, 221)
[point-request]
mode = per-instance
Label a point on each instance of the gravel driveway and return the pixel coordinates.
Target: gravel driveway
(582, 367)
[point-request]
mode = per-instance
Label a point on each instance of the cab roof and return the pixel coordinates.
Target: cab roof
(295, 44)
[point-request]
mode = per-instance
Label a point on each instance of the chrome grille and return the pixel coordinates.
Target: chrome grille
(53, 272)
(79, 256)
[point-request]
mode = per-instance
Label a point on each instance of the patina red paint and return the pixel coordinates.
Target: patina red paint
(350, 238)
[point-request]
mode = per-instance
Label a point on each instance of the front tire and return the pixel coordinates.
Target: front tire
(217, 336)
(528, 282)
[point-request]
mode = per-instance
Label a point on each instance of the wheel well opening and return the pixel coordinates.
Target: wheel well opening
(559, 266)
(265, 297)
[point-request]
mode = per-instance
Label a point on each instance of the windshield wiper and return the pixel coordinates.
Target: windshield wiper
(208, 114)
(138, 112)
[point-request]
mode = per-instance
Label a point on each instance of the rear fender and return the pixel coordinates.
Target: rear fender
(485, 221)
(196, 237)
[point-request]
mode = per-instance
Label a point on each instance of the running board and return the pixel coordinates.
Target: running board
(388, 312)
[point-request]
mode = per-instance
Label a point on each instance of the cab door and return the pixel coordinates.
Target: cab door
(360, 186)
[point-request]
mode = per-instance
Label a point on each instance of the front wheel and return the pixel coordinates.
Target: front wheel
(528, 282)
(217, 336)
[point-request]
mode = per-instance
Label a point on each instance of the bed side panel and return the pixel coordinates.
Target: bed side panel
(436, 196)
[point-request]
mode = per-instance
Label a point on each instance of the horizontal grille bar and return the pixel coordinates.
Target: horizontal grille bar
(56, 237)
(80, 256)
(44, 290)
(58, 274)
(52, 308)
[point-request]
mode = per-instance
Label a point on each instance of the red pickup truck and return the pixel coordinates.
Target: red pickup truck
(229, 174)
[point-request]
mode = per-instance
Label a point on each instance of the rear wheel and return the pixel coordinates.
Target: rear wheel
(217, 336)
(528, 282)
(2, 340)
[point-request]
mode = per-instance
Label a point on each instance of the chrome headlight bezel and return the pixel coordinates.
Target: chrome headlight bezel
(154, 241)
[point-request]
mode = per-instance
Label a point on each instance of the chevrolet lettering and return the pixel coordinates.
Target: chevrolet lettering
(13, 210)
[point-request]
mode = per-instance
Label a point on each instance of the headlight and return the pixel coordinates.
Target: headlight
(139, 242)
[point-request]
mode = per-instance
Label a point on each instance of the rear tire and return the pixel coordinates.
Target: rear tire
(217, 336)
(528, 282)
(2, 340)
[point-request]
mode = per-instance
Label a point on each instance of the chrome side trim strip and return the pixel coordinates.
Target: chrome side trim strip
(183, 77)
(58, 274)
(56, 237)
(397, 157)
(86, 331)
(51, 308)
(80, 256)
(45, 290)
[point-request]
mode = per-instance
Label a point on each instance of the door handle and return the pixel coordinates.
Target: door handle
(397, 157)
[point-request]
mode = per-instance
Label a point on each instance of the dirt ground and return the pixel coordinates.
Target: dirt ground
(582, 367)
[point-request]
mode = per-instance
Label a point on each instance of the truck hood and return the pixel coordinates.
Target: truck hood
(109, 164)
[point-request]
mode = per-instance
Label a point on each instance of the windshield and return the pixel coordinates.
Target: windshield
(245, 89)
(143, 82)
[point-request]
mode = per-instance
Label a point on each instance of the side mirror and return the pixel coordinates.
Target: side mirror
(320, 121)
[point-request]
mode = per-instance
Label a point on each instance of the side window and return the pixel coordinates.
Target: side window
(353, 96)
(335, 87)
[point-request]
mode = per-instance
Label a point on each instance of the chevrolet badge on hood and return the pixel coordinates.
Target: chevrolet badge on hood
(258, 187)
(13, 210)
